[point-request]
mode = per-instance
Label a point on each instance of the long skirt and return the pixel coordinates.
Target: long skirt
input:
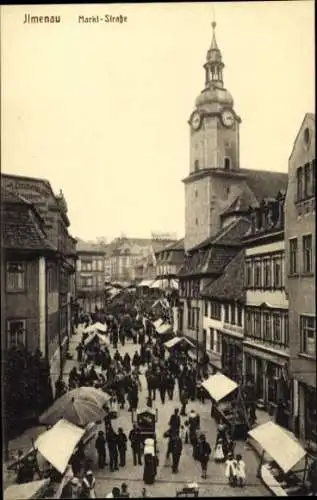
(149, 469)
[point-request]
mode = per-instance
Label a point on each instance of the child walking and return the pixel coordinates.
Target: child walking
(231, 471)
(240, 471)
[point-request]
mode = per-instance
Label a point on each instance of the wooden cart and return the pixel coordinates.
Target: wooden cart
(146, 420)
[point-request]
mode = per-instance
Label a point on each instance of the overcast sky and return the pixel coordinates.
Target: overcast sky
(101, 110)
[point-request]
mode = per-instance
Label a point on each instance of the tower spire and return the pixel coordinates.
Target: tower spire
(214, 65)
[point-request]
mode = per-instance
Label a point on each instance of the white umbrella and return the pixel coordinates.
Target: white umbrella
(58, 443)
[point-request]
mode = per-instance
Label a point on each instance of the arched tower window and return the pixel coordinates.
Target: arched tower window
(227, 164)
(196, 165)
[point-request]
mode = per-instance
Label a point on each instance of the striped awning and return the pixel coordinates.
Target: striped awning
(147, 283)
(177, 340)
(165, 284)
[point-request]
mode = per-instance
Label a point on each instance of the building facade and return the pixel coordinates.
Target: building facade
(90, 276)
(48, 280)
(223, 321)
(266, 342)
(300, 266)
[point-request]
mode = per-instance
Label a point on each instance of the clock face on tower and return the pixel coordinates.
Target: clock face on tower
(196, 120)
(227, 118)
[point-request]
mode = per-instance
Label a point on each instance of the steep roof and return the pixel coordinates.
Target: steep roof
(228, 235)
(89, 246)
(264, 183)
(159, 245)
(22, 230)
(230, 285)
(8, 196)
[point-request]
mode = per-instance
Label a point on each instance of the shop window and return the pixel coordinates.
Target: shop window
(248, 323)
(293, 246)
(307, 253)
(286, 331)
(308, 334)
(277, 328)
(215, 310)
(277, 272)
(267, 334)
(226, 313)
(257, 333)
(274, 373)
(16, 281)
(16, 332)
(258, 275)
(233, 314)
(239, 315)
(267, 273)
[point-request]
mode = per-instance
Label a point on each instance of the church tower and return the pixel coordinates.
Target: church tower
(214, 152)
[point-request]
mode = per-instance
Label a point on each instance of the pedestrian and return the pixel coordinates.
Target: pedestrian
(219, 455)
(115, 493)
(60, 387)
(134, 335)
(88, 485)
(100, 446)
(182, 433)
(122, 447)
(175, 422)
(231, 471)
(80, 349)
(163, 387)
(127, 362)
(141, 336)
(240, 471)
(177, 447)
(112, 442)
(204, 451)
(124, 491)
(135, 440)
(184, 401)
(170, 382)
(122, 335)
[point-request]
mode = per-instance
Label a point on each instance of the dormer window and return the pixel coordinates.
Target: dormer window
(196, 165)
(227, 164)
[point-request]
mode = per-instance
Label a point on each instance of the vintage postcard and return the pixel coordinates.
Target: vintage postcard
(158, 250)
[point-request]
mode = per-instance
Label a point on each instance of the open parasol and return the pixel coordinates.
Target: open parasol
(79, 406)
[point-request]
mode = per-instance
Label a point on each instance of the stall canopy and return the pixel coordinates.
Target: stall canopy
(176, 340)
(101, 338)
(219, 386)
(164, 284)
(101, 327)
(282, 446)
(164, 328)
(158, 323)
(147, 283)
(58, 443)
(33, 489)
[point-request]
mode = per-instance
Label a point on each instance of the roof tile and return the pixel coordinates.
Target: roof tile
(230, 285)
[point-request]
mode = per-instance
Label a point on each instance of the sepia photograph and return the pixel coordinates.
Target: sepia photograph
(158, 250)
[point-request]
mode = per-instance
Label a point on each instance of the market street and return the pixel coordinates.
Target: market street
(167, 483)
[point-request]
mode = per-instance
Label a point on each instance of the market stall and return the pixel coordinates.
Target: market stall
(179, 342)
(33, 489)
(284, 462)
(228, 404)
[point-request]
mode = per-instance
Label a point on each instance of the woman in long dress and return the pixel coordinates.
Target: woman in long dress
(149, 462)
